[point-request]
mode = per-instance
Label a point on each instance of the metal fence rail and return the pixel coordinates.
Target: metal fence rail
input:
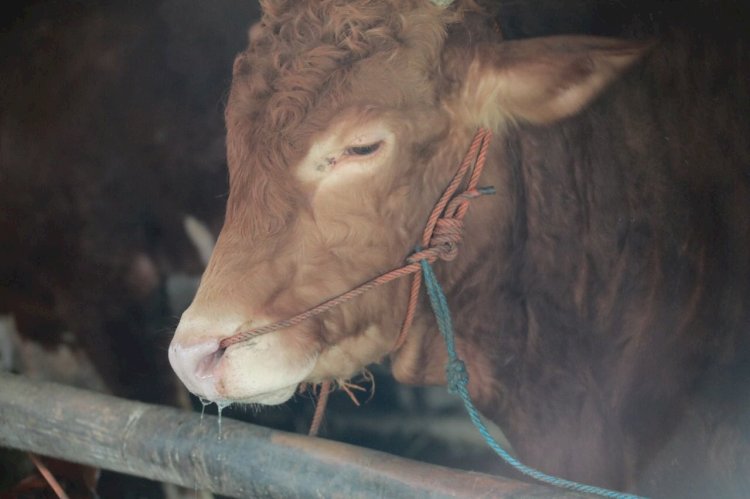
(170, 445)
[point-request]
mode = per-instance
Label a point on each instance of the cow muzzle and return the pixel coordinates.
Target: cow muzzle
(265, 370)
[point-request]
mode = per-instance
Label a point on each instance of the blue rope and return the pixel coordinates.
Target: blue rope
(458, 384)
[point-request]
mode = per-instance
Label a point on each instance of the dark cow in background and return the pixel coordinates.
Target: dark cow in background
(109, 137)
(102, 158)
(600, 298)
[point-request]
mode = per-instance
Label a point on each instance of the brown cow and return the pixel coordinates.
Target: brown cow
(597, 296)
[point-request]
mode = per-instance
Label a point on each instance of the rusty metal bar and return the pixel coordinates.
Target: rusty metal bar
(170, 445)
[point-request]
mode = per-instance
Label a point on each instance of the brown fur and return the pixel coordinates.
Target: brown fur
(281, 100)
(596, 293)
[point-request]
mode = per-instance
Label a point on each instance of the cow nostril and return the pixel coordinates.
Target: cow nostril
(207, 365)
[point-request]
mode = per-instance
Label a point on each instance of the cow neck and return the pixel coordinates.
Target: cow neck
(440, 239)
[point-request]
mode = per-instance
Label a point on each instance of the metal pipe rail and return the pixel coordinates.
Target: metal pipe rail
(170, 445)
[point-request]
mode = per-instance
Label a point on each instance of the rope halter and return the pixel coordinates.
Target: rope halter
(440, 240)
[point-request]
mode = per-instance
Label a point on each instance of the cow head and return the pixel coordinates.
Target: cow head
(345, 121)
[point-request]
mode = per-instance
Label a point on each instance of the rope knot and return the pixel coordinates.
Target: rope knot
(448, 230)
(440, 247)
(446, 237)
(457, 376)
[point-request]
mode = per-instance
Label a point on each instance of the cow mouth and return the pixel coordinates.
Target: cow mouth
(207, 370)
(275, 397)
(265, 370)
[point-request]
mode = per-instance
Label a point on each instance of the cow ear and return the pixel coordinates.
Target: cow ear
(541, 80)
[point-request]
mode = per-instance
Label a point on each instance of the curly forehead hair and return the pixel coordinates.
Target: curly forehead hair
(301, 50)
(302, 53)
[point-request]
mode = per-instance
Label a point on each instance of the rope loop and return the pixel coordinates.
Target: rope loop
(448, 231)
(448, 234)
(444, 242)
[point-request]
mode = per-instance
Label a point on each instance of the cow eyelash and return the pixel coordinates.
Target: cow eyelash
(365, 150)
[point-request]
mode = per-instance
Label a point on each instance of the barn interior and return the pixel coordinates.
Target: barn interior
(113, 182)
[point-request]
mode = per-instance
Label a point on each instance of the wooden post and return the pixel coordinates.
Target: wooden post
(170, 445)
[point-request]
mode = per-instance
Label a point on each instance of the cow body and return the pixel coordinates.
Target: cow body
(600, 296)
(626, 286)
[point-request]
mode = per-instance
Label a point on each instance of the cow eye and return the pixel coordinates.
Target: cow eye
(365, 150)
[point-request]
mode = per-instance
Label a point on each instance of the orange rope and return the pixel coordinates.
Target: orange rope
(440, 238)
(323, 307)
(49, 477)
(452, 221)
(320, 409)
